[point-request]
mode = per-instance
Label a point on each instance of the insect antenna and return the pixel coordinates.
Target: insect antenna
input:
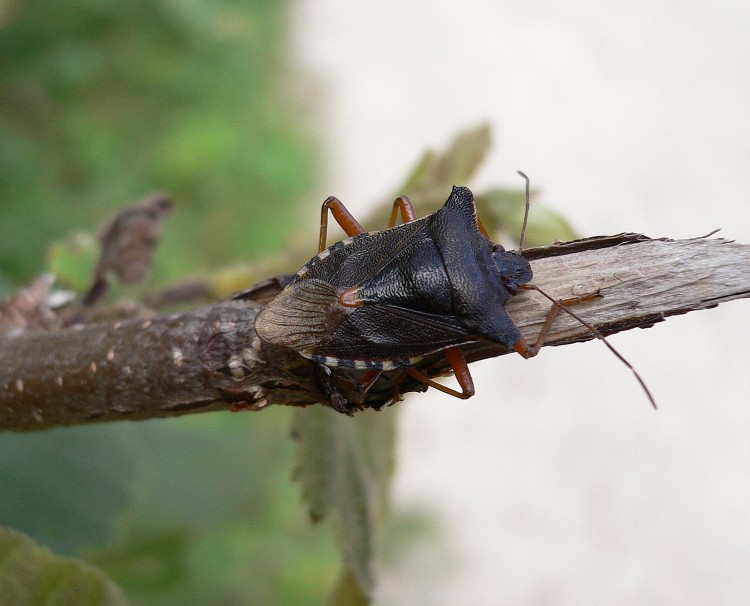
(525, 213)
(561, 306)
(594, 331)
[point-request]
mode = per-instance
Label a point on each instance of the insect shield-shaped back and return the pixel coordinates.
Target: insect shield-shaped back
(383, 300)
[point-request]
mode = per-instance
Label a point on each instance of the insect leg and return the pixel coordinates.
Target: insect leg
(529, 351)
(483, 229)
(333, 394)
(343, 217)
(350, 225)
(408, 214)
(344, 394)
(368, 378)
(460, 370)
(403, 204)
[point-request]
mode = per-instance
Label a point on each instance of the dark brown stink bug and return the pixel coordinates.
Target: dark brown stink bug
(383, 300)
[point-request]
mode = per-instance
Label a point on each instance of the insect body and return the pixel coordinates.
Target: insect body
(384, 300)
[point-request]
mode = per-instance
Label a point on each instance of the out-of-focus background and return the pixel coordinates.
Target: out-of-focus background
(556, 484)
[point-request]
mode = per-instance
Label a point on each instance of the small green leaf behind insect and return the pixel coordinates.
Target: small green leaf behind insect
(502, 212)
(72, 260)
(31, 575)
(345, 466)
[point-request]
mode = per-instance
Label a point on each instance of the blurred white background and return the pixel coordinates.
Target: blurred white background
(557, 484)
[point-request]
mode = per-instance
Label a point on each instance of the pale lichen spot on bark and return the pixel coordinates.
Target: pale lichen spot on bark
(111, 354)
(93, 367)
(177, 356)
(59, 380)
(19, 385)
(250, 354)
(146, 324)
(236, 367)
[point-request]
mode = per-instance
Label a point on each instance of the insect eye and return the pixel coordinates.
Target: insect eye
(498, 248)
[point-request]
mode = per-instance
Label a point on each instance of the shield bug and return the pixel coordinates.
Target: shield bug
(383, 300)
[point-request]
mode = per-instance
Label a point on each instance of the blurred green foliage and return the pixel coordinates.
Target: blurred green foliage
(103, 102)
(31, 575)
(100, 104)
(195, 511)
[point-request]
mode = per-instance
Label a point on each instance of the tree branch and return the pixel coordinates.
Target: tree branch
(211, 359)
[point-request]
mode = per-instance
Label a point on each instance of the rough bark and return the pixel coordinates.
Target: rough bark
(211, 359)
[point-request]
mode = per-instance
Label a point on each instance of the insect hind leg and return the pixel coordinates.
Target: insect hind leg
(343, 217)
(403, 204)
(350, 225)
(460, 370)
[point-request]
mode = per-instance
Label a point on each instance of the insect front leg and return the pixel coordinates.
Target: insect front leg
(529, 351)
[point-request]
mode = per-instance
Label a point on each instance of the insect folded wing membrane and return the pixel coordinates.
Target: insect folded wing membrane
(294, 319)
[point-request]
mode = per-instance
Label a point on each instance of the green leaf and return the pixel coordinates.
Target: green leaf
(345, 465)
(455, 166)
(347, 591)
(503, 210)
(72, 260)
(31, 575)
(431, 179)
(217, 516)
